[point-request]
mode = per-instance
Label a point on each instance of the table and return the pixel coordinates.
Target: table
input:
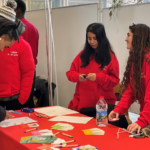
(10, 136)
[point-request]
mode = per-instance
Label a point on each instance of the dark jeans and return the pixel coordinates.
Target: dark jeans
(91, 111)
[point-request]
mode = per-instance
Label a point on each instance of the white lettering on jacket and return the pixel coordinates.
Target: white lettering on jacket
(13, 53)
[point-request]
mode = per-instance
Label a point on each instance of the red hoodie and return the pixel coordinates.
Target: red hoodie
(16, 71)
(128, 96)
(31, 35)
(88, 92)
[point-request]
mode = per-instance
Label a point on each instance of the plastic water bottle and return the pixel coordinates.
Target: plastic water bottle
(101, 112)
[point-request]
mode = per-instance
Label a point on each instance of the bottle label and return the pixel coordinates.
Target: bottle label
(101, 114)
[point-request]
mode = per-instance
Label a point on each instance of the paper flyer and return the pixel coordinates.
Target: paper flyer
(38, 139)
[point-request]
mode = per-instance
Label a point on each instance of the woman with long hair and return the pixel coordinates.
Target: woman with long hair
(95, 70)
(136, 80)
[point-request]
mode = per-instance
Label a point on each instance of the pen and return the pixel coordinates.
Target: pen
(67, 142)
(45, 116)
(134, 135)
(87, 148)
(30, 130)
(61, 144)
(38, 115)
(55, 134)
(67, 135)
(69, 146)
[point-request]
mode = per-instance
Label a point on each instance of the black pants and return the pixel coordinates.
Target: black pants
(30, 102)
(91, 111)
(11, 105)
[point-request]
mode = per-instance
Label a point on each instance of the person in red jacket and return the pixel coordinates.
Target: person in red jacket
(30, 35)
(95, 70)
(17, 64)
(136, 80)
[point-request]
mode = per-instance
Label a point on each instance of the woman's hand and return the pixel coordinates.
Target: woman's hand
(8, 115)
(134, 126)
(113, 116)
(81, 78)
(91, 76)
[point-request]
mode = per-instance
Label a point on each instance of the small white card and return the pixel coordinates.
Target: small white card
(33, 125)
(44, 132)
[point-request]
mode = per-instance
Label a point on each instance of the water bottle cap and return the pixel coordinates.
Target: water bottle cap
(101, 96)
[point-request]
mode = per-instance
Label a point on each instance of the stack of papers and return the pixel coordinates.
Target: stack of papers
(72, 119)
(55, 111)
(16, 121)
(62, 126)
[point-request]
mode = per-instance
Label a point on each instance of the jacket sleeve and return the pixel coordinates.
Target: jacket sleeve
(110, 80)
(27, 69)
(126, 101)
(73, 73)
(2, 113)
(144, 118)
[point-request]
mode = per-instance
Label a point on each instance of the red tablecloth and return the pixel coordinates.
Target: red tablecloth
(10, 136)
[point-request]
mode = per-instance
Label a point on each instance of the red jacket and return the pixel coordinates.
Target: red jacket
(128, 96)
(87, 93)
(31, 35)
(16, 71)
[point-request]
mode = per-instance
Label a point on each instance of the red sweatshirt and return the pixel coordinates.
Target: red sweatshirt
(16, 71)
(31, 35)
(128, 96)
(87, 93)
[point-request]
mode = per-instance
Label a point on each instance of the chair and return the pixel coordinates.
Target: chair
(41, 92)
(117, 93)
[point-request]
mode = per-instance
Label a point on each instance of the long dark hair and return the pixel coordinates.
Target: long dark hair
(102, 54)
(140, 41)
